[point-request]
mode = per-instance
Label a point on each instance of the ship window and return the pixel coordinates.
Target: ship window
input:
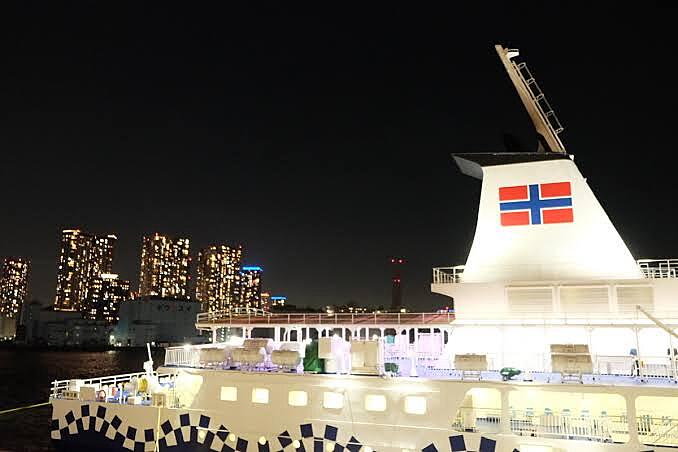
(333, 400)
(259, 395)
(297, 398)
(415, 405)
(229, 393)
(375, 402)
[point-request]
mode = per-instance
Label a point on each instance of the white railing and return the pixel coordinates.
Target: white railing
(565, 426)
(547, 425)
(182, 356)
(658, 268)
(235, 312)
(651, 268)
(219, 319)
(658, 431)
(61, 387)
(485, 420)
(448, 275)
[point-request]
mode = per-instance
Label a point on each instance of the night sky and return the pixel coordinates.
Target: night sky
(318, 139)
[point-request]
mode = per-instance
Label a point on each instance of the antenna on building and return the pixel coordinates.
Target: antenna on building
(543, 117)
(396, 288)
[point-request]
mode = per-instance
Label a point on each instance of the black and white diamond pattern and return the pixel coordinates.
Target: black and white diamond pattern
(96, 419)
(196, 428)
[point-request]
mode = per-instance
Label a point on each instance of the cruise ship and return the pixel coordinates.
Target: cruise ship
(559, 341)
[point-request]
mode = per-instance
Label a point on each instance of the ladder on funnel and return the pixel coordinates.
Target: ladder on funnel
(539, 98)
(545, 121)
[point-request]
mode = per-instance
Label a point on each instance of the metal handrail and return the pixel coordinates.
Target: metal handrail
(375, 318)
(448, 275)
(58, 386)
(658, 268)
(665, 434)
(650, 268)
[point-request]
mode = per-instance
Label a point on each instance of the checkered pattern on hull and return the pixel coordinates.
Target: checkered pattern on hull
(194, 429)
(96, 420)
(197, 432)
(458, 444)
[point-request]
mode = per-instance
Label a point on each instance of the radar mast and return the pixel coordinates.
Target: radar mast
(543, 117)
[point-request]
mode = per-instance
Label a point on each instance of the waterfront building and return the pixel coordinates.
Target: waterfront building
(164, 267)
(47, 326)
(161, 321)
(82, 259)
(278, 301)
(106, 294)
(13, 285)
(218, 277)
(250, 283)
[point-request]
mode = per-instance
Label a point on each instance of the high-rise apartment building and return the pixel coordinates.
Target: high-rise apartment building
(250, 283)
(218, 277)
(164, 267)
(83, 258)
(106, 293)
(13, 285)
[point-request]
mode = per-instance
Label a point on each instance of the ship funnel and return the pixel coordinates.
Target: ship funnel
(539, 220)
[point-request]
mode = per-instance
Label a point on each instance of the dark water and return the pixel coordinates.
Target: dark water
(25, 377)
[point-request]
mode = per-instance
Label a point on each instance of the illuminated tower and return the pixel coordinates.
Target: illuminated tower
(13, 285)
(164, 267)
(250, 283)
(218, 284)
(266, 301)
(106, 293)
(83, 258)
(396, 288)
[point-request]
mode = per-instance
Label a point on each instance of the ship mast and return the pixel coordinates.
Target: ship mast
(543, 117)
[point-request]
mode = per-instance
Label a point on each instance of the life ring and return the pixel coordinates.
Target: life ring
(101, 395)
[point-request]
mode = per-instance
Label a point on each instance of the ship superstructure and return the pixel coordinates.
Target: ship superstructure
(560, 341)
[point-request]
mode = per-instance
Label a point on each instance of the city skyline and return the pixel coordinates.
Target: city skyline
(85, 281)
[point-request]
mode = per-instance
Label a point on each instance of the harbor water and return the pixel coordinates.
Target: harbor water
(25, 377)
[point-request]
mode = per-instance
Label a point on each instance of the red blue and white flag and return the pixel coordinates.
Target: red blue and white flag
(536, 204)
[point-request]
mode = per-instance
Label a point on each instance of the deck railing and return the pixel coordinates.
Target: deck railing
(651, 268)
(448, 275)
(556, 425)
(225, 317)
(659, 268)
(60, 387)
(658, 431)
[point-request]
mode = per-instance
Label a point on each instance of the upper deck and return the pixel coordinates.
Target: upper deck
(650, 268)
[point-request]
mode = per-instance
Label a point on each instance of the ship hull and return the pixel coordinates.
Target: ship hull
(211, 424)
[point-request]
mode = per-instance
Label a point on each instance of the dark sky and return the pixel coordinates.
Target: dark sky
(319, 139)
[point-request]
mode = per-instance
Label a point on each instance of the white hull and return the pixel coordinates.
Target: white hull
(389, 430)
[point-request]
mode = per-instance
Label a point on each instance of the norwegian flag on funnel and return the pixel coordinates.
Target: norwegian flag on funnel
(536, 204)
